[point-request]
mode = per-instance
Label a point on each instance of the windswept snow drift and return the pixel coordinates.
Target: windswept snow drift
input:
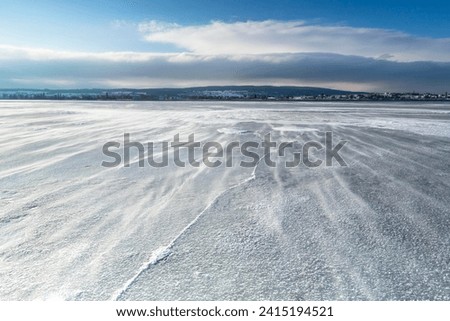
(377, 229)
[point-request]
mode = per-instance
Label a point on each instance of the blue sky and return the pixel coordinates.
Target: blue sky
(181, 43)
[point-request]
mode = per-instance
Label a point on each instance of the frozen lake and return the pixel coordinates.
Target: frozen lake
(376, 229)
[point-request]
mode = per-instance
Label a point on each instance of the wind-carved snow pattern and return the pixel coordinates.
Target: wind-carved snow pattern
(375, 230)
(163, 252)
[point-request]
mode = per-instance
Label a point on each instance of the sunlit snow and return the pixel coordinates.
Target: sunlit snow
(377, 229)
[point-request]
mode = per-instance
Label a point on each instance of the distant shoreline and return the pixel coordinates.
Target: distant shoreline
(235, 100)
(216, 93)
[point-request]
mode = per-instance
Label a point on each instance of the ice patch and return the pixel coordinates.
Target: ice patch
(294, 129)
(232, 131)
(417, 126)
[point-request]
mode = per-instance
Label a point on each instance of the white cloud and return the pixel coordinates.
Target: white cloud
(269, 37)
(121, 24)
(35, 68)
(8, 52)
(157, 26)
(243, 53)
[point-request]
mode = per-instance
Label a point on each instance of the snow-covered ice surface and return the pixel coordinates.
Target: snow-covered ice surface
(378, 229)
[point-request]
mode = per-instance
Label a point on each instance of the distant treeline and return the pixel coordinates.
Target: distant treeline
(216, 93)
